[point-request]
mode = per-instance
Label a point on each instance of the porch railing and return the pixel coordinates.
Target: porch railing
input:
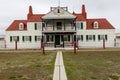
(49, 44)
(52, 44)
(66, 28)
(66, 43)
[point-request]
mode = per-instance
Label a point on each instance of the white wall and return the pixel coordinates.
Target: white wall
(21, 44)
(109, 43)
(29, 32)
(2, 42)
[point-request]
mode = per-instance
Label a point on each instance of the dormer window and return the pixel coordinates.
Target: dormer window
(21, 26)
(95, 25)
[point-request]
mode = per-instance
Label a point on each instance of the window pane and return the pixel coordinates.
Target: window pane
(78, 25)
(89, 37)
(102, 37)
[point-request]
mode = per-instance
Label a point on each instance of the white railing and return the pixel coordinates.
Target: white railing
(67, 28)
(48, 29)
(70, 28)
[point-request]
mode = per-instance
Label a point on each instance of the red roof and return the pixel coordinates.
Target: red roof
(79, 17)
(15, 25)
(36, 18)
(102, 24)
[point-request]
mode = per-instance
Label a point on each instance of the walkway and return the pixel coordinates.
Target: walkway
(59, 70)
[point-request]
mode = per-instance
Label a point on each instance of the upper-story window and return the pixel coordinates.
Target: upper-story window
(21, 26)
(80, 25)
(95, 25)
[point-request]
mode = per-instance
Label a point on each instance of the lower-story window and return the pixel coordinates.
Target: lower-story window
(101, 37)
(66, 37)
(80, 37)
(37, 38)
(49, 38)
(90, 37)
(14, 38)
(26, 38)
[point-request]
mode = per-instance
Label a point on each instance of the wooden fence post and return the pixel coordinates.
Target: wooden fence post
(74, 47)
(103, 43)
(16, 46)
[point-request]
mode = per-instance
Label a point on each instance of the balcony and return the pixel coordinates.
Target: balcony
(59, 29)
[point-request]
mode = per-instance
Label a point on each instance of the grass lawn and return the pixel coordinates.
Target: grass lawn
(92, 65)
(26, 65)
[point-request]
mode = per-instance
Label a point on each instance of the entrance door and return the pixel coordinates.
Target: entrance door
(57, 40)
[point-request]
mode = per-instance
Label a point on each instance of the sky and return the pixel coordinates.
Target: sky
(18, 9)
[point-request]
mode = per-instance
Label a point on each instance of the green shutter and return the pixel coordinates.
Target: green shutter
(10, 38)
(23, 38)
(75, 38)
(94, 37)
(35, 26)
(81, 25)
(30, 39)
(35, 38)
(18, 38)
(86, 37)
(98, 37)
(81, 37)
(68, 37)
(105, 37)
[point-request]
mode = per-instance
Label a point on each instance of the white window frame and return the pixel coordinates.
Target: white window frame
(95, 25)
(21, 26)
(90, 37)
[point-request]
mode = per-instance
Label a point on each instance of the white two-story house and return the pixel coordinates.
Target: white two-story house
(59, 28)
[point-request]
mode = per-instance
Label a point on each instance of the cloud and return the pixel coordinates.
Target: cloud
(18, 9)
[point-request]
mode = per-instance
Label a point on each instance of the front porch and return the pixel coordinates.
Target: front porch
(59, 40)
(52, 44)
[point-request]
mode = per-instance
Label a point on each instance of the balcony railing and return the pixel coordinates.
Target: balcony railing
(58, 28)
